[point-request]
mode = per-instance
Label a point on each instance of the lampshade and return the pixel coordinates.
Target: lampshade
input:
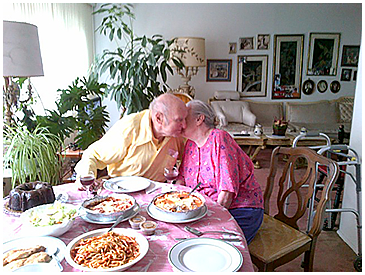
(21, 51)
(194, 48)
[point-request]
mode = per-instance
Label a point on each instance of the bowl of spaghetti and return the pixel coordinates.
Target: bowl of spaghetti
(177, 205)
(100, 250)
(108, 208)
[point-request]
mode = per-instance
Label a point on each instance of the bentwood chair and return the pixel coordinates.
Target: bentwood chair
(281, 238)
(183, 96)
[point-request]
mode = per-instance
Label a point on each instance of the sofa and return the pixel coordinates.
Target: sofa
(326, 116)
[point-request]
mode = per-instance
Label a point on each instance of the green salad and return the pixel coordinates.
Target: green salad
(53, 214)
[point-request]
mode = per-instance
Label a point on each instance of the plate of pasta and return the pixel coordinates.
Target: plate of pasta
(100, 250)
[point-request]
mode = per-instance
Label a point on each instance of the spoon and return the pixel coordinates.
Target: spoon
(53, 251)
(194, 188)
(116, 222)
(199, 233)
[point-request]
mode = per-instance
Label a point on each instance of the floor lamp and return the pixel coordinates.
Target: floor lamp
(21, 58)
(191, 51)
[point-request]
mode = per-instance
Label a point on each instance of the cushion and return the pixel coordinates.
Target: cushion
(234, 111)
(266, 112)
(346, 111)
(227, 95)
(312, 112)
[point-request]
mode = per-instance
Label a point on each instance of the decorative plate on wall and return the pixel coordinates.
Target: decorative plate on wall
(308, 87)
(322, 86)
(335, 86)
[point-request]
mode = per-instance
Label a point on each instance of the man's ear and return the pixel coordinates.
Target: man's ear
(159, 117)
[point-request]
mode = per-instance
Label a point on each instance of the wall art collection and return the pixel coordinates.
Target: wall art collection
(287, 65)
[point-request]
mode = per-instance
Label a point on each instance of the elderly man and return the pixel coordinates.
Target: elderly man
(140, 144)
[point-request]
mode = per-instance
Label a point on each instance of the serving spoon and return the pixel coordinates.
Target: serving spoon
(186, 196)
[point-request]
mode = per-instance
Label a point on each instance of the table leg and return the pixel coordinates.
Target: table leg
(256, 163)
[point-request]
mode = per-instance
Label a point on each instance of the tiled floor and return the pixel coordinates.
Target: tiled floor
(332, 253)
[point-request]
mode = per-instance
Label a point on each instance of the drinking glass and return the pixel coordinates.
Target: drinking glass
(87, 181)
(171, 174)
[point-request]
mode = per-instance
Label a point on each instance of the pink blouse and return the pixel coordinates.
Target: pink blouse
(220, 164)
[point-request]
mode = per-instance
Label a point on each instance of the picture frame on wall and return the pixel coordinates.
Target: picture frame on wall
(246, 43)
(350, 56)
(323, 53)
(346, 74)
(232, 48)
(252, 75)
(219, 70)
(263, 41)
(287, 66)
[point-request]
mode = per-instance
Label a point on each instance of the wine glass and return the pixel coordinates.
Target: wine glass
(87, 181)
(171, 174)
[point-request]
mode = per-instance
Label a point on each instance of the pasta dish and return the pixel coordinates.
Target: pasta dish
(178, 202)
(105, 251)
(111, 205)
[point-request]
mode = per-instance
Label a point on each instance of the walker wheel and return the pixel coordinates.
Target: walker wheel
(358, 263)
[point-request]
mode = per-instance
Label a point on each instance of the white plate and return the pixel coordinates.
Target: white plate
(165, 218)
(141, 240)
(134, 212)
(126, 184)
(50, 243)
(205, 255)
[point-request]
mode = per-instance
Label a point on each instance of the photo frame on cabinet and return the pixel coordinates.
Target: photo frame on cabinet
(350, 56)
(246, 43)
(287, 66)
(219, 70)
(252, 75)
(323, 53)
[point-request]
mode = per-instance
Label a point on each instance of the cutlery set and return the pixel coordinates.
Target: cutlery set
(200, 233)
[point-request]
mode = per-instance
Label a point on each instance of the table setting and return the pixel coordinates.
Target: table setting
(155, 239)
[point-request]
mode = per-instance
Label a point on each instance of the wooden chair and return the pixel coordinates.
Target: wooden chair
(280, 238)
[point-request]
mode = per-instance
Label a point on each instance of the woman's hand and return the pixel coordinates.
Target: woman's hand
(225, 198)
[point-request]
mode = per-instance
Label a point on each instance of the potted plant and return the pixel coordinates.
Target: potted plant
(32, 155)
(279, 127)
(137, 67)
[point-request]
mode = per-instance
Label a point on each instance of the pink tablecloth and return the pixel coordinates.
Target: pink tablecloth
(156, 260)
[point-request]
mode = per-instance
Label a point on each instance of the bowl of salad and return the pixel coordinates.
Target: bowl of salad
(53, 219)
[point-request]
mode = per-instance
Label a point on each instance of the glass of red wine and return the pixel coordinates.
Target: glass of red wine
(171, 174)
(87, 182)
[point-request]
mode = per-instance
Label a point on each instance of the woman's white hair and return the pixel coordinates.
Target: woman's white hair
(198, 107)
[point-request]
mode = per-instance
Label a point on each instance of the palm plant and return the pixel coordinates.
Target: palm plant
(32, 155)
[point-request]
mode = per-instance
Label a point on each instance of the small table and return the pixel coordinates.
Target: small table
(156, 259)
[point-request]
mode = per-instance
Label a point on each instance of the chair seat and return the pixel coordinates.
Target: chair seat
(276, 239)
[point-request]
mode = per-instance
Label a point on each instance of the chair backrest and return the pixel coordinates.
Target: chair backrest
(184, 97)
(291, 181)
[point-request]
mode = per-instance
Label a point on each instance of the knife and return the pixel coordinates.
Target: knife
(224, 239)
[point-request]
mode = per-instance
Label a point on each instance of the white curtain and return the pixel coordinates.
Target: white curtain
(66, 41)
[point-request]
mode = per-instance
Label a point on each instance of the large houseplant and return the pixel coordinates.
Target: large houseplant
(137, 67)
(32, 155)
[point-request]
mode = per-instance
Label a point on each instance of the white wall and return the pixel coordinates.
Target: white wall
(348, 226)
(220, 24)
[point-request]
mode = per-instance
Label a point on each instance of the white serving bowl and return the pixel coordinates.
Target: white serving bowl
(140, 239)
(40, 267)
(110, 217)
(55, 230)
(176, 216)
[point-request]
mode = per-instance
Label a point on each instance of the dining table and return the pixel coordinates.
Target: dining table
(167, 234)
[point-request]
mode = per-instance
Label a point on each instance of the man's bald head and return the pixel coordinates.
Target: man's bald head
(168, 113)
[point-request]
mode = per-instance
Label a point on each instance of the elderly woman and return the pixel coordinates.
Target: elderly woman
(212, 157)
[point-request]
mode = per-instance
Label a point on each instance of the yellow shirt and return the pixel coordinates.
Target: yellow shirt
(129, 149)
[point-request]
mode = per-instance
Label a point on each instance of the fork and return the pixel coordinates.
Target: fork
(200, 233)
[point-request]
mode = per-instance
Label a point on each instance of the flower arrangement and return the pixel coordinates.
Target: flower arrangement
(280, 126)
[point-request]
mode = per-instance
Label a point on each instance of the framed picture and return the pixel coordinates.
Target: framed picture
(219, 69)
(322, 86)
(252, 75)
(308, 87)
(232, 48)
(335, 86)
(323, 53)
(263, 41)
(350, 56)
(246, 43)
(287, 66)
(355, 76)
(346, 74)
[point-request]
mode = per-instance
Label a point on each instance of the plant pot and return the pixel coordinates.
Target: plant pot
(279, 131)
